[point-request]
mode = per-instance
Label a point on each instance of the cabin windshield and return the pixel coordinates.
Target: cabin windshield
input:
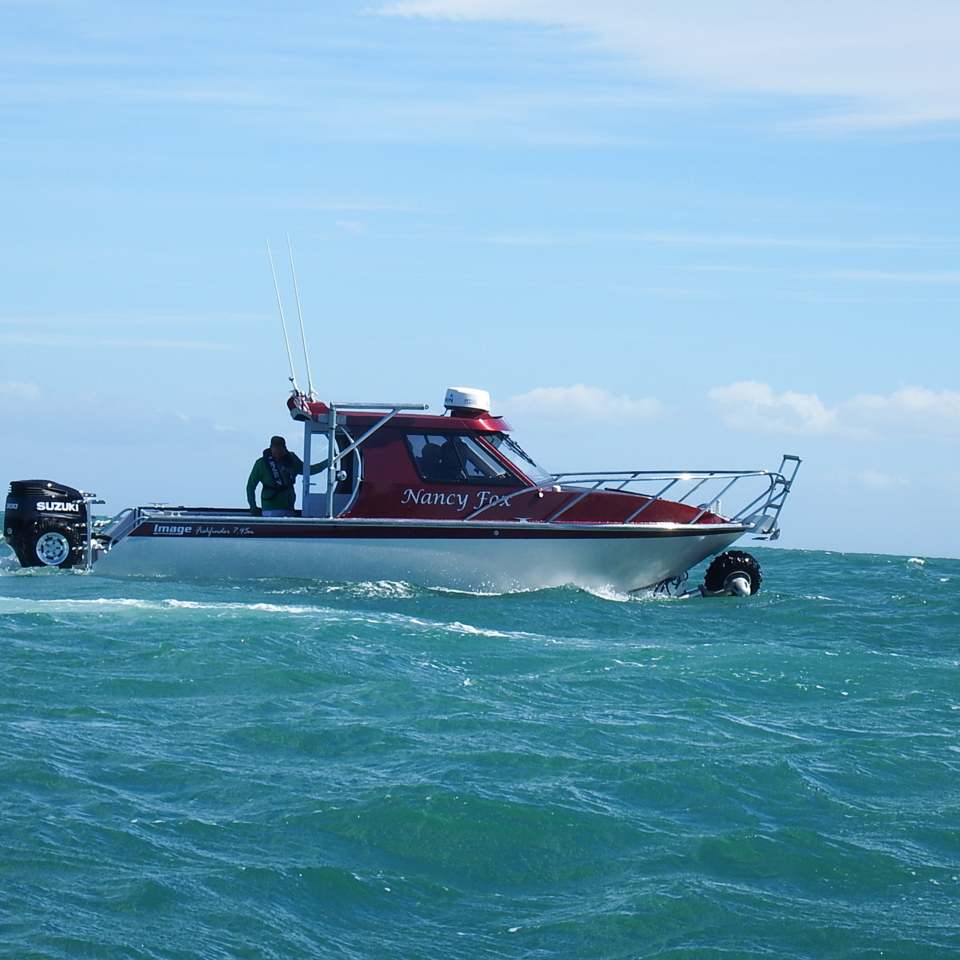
(451, 458)
(512, 450)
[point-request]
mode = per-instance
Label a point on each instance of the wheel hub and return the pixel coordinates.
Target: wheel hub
(53, 548)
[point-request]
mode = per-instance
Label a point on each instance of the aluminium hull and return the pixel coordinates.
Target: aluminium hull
(481, 557)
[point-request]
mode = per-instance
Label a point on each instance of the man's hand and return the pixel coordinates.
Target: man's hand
(256, 512)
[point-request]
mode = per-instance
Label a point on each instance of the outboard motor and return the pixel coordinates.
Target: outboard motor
(45, 523)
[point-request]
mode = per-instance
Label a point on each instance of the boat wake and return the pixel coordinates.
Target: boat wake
(405, 590)
(139, 606)
(9, 567)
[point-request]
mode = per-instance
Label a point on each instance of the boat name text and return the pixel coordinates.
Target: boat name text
(462, 501)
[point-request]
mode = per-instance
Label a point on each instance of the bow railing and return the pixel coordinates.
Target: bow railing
(761, 513)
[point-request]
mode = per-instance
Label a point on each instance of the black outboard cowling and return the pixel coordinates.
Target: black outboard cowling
(45, 523)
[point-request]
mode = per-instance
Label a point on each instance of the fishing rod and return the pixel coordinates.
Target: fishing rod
(283, 321)
(303, 335)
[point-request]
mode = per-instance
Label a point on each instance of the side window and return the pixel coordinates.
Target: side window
(454, 458)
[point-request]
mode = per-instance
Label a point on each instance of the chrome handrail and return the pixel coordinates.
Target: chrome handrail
(763, 519)
(335, 455)
(119, 526)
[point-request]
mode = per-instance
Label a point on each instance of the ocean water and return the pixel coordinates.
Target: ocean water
(292, 769)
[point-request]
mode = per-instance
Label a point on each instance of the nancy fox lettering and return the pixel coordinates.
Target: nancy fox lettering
(461, 501)
(428, 498)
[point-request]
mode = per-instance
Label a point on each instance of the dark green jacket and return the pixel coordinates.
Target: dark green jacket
(273, 497)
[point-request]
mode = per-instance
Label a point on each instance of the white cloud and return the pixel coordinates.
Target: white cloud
(354, 227)
(751, 405)
(13, 390)
(890, 65)
(583, 402)
(909, 406)
(876, 480)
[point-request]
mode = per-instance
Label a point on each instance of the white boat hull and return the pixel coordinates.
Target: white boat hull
(494, 563)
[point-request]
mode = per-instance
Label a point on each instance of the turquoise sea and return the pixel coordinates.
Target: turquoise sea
(290, 769)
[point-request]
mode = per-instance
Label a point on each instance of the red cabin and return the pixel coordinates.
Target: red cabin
(463, 465)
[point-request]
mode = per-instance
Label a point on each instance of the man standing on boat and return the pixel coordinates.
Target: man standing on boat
(277, 470)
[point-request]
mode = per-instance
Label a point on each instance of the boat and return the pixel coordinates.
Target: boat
(448, 499)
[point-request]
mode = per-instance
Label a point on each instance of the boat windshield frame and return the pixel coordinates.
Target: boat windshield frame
(518, 458)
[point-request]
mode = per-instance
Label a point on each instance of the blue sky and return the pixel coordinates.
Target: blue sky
(660, 235)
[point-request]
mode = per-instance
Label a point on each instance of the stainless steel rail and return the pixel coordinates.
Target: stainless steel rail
(335, 456)
(118, 527)
(765, 506)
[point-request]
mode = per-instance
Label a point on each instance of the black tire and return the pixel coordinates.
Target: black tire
(55, 546)
(728, 565)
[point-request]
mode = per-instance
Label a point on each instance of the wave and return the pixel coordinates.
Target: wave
(405, 590)
(32, 605)
(24, 605)
(373, 589)
(471, 631)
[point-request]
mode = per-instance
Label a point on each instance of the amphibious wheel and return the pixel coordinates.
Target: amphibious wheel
(54, 549)
(733, 572)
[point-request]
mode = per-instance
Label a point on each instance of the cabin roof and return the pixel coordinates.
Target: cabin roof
(434, 423)
(438, 423)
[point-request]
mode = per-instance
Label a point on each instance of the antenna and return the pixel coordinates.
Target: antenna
(283, 322)
(303, 335)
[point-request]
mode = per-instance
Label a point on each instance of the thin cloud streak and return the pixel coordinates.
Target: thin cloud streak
(892, 66)
(575, 238)
(343, 205)
(101, 322)
(86, 91)
(908, 277)
(65, 340)
(950, 277)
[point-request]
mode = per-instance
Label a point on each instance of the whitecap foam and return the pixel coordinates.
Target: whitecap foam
(464, 592)
(374, 589)
(465, 628)
(29, 605)
(607, 592)
(10, 567)
(286, 608)
(173, 605)
(93, 604)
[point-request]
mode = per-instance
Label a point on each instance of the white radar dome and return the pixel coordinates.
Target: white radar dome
(467, 400)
